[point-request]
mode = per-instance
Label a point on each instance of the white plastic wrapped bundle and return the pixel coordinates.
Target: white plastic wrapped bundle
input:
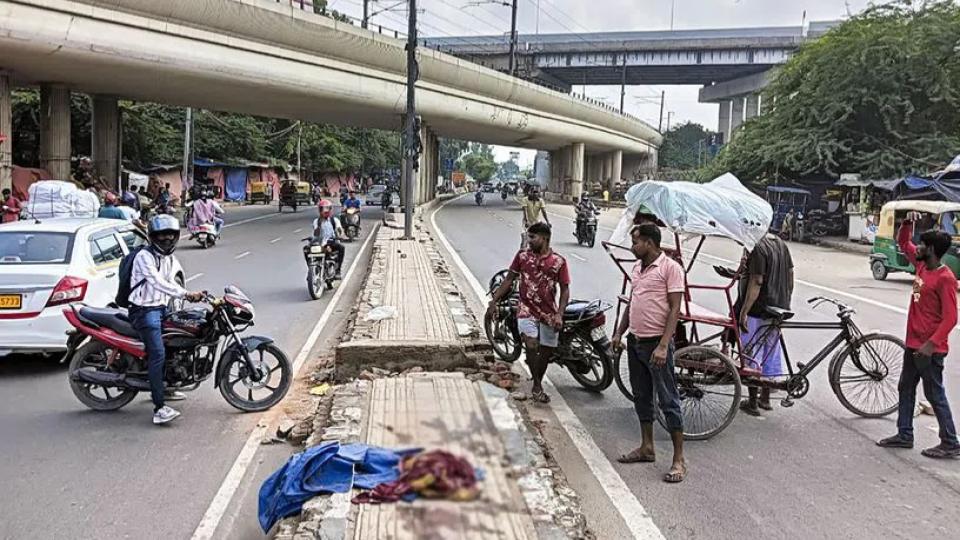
(722, 207)
(57, 199)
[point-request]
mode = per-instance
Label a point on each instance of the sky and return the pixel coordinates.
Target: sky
(441, 18)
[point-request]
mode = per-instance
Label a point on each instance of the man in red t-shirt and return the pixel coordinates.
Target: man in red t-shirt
(11, 207)
(539, 318)
(931, 318)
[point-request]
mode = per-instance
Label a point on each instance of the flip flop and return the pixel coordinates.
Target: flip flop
(540, 396)
(675, 477)
(636, 457)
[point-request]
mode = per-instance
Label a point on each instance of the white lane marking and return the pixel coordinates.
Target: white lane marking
(297, 230)
(634, 515)
(277, 239)
(221, 501)
(193, 277)
(242, 255)
(242, 221)
(577, 257)
(812, 285)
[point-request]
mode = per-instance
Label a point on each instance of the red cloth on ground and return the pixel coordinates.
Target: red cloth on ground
(933, 304)
(435, 474)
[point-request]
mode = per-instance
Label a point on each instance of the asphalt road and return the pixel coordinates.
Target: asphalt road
(811, 470)
(69, 472)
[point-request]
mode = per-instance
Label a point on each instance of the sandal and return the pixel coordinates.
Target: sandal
(765, 405)
(540, 396)
(942, 452)
(675, 477)
(636, 456)
(752, 410)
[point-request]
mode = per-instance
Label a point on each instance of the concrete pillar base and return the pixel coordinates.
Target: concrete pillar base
(723, 120)
(576, 170)
(616, 170)
(55, 130)
(105, 139)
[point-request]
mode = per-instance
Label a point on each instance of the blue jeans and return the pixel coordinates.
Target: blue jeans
(147, 322)
(646, 378)
(932, 377)
(218, 223)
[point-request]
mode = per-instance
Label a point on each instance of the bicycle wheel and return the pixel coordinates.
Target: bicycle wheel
(710, 390)
(504, 340)
(621, 374)
(865, 376)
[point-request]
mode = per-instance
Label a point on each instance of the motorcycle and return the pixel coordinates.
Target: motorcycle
(478, 198)
(824, 224)
(205, 234)
(321, 267)
(351, 223)
(584, 347)
(386, 200)
(108, 362)
(587, 228)
(503, 195)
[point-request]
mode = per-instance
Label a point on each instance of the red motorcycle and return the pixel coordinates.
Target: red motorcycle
(108, 365)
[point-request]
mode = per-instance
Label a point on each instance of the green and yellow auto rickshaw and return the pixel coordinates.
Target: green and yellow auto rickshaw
(886, 257)
(261, 192)
(294, 193)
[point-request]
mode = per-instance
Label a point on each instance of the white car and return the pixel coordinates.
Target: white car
(46, 266)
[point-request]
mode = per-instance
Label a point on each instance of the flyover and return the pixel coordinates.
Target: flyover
(268, 58)
(732, 64)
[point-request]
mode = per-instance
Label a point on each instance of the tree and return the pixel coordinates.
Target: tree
(509, 169)
(320, 8)
(878, 95)
(479, 162)
(452, 149)
(684, 147)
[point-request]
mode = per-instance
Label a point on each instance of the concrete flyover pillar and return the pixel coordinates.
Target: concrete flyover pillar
(576, 170)
(426, 177)
(723, 120)
(105, 140)
(736, 115)
(753, 106)
(616, 170)
(6, 132)
(55, 130)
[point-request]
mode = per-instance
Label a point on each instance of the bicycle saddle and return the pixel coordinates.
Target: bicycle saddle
(779, 313)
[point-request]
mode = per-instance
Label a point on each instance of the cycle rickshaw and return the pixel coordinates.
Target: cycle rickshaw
(713, 360)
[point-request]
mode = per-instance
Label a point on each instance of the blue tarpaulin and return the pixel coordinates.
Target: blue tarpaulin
(235, 186)
(327, 468)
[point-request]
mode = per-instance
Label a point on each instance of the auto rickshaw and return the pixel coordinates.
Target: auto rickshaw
(261, 192)
(294, 193)
(886, 257)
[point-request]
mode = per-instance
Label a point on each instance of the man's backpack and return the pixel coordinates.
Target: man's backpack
(124, 290)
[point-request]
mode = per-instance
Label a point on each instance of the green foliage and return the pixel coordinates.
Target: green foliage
(452, 149)
(879, 95)
(320, 7)
(684, 147)
(479, 162)
(509, 169)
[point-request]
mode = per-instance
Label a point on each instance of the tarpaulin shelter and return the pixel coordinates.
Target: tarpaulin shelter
(24, 177)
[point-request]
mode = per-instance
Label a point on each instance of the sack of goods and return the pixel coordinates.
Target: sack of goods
(55, 199)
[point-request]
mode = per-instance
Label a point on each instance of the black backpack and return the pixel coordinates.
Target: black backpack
(124, 290)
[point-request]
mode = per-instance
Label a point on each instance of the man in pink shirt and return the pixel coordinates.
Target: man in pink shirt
(657, 286)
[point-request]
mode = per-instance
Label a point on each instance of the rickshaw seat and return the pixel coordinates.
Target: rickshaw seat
(697, 313)
(779, 313)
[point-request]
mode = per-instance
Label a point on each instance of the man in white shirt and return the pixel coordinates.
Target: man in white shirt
(152, 285)
(328, 230)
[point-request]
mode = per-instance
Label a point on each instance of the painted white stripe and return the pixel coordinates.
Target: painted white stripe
(277, 239)
(577, 257)
(297, 230)
(242, 255)
(228, 488)
(242, 221)
(193, 277)
(634, 515)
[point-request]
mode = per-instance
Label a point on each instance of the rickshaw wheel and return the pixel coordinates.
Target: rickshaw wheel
(879, 270)
(710, 391)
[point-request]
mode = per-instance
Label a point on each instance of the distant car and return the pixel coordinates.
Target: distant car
(45, 267)
(375, 194)
(488, 188)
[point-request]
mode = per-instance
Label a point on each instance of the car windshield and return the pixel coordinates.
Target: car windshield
(28, 247)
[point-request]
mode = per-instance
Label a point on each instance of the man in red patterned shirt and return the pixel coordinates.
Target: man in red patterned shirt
(539, 318)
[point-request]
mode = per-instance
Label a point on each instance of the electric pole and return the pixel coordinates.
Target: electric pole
(663, 95)
(411, 148)
(513, 39)
(623, 82)
(187, 135)
(366, 14)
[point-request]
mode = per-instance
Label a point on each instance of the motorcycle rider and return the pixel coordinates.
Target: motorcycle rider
(152, 285)
(352, 202)
(386, 199)
(206, 210)
(478, 196)
(127, 204)
(585, 208)
(327, 230)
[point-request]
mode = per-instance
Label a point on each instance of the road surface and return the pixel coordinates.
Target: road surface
(69, 472)
(812, 469)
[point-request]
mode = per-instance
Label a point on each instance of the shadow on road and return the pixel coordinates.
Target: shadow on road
(18, 365)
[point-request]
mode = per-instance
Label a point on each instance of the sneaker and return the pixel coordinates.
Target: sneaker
(174, 395)
(164, 415)
(895, 442)
(942, 451)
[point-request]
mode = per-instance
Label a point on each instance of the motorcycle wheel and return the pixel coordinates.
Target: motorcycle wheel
(204, 242)
(314, 282)
(600, 376)
(93, 355)
(591, 237)
(277, 375)
(505, 342)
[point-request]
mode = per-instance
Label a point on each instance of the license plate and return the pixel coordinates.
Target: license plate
(597, 334)
(11, 301)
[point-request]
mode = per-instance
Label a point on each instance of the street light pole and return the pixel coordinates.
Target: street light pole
(410, 131)
(673, 6)
(366, 14)
(623, 82)
(513, 39)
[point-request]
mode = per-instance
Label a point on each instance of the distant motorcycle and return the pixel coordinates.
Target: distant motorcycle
(321, 267)
(584, 347)
(503, 195)
(351, 223)
(205, 234)
(823, 224)
(587, 228)
(478, 198)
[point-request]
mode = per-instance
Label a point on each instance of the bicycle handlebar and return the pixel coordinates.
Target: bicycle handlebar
(842, 308)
